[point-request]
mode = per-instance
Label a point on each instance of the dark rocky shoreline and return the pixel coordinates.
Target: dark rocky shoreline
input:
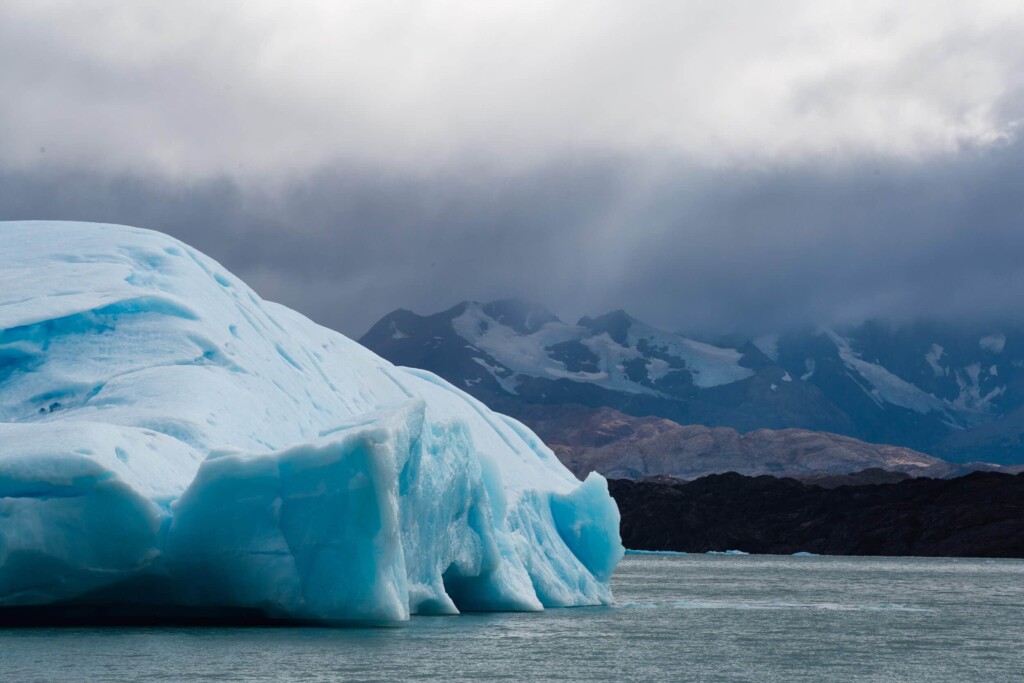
(977, 515)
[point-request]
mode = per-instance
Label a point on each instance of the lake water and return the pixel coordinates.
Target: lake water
(703, 618)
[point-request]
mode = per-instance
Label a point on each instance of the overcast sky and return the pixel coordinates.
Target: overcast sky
(710, 167)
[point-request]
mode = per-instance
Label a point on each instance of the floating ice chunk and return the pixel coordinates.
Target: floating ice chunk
(630, 551)
(170, 439)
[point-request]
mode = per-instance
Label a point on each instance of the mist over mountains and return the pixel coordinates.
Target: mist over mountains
(952, 391)
(679, 245)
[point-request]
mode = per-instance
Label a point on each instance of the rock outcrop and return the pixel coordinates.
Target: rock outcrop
(622, 446)
(978, 515)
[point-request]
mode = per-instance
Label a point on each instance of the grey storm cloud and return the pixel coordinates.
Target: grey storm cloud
(687, 249)
(709, 169)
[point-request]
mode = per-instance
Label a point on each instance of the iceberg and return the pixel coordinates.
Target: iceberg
(631, 551)
(169, 440)
(726, 552)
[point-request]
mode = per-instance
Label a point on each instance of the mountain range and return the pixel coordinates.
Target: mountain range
(950, 391)
(624, 446)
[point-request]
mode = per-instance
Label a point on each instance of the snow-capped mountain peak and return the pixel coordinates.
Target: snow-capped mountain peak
(513, 341)
(914, 385)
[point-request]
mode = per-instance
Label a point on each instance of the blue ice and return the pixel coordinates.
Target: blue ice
(163, 426)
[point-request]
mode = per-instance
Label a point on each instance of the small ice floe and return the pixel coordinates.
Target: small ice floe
(654, 552)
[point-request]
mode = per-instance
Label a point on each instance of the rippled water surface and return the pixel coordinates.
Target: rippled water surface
(714, 618)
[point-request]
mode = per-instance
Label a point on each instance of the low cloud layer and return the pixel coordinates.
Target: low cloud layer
(685, 248)
(710, 170)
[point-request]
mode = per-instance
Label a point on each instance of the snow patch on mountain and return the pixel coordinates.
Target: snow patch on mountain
(612, 359)
(710, 366)
(971, 397)
(884, 385)
(521, 353)
(768, 344)
(397, 333)
(508, 382)
(530, 354)
(970, 406)
(993, 342)
(657, 368)
(809, 366)
(933, 356)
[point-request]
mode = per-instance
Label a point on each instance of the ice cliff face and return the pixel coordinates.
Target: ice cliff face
(169, 438)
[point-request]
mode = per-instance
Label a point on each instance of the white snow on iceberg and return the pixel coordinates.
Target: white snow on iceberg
(167, 437)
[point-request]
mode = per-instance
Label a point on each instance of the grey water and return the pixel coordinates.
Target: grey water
(679, 618)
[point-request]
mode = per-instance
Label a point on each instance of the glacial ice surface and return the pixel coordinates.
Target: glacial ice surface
(169, 438)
